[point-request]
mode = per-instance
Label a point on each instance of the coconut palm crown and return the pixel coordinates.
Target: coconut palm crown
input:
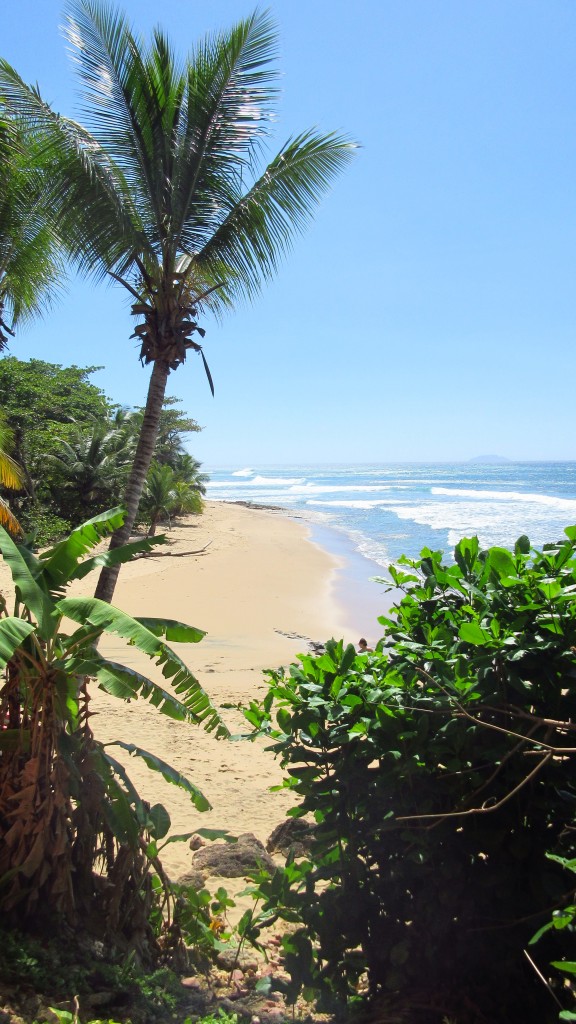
(160, 188)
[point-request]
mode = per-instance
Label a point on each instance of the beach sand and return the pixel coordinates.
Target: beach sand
(262, 590)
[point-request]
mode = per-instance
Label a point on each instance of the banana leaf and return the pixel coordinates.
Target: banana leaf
(13, 633)
(128, 684)
(117, 556)
(174, 631)
(60, 561)
(105, 617)
(28, 591)
(170, 774)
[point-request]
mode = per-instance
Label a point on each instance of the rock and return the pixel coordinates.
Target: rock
(233, 860)
(99, 998)
(196, 842)
(230, 1007)
(229, 960)
(192, 982)
(193, 879)
(295, 836)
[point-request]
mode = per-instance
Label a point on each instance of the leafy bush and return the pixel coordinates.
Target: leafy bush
(77, 842)
(439, 772)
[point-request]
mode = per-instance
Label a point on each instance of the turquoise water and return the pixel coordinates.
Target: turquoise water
(371, 514)
(390, 509)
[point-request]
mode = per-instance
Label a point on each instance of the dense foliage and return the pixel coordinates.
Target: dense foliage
(439, 772)
(30, 253)
(75, 448)
(77, 843)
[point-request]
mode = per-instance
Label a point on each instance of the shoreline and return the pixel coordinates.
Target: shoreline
(263, 590)
(264, 585)
(358, 597)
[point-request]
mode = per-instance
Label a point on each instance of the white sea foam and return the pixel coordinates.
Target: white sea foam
(340, 503)
(493, 524)
(257, 481)
(562, 504)
(243, 472)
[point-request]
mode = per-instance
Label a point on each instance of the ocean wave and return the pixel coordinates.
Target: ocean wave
(257, 481)
(243, 472)
(373, 503)
(492, 524)
(562, 504)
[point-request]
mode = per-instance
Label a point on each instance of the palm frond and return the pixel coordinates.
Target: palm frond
(83, 186)
(259, 227)
(131, 102)
(230, 93)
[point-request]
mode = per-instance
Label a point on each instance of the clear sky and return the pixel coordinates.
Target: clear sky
(430, 310)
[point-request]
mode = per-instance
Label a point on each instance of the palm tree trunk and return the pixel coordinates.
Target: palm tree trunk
(142, 459)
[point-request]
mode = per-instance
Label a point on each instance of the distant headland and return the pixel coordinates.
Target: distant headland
(490, 458)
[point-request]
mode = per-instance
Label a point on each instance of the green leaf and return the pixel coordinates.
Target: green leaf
(472, 633)
(502, 562)
(160, 819)
(522, 545)
(174, 631)
(117, 556)
(105, 617)
(550, 590)
(565, 965)
(13, 633)
(125, 683)
(284, 718)
(38, 603)
(170, 774)
(466, 553)
(59, 564)
(216, 833)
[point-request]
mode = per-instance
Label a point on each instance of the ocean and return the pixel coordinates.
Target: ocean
(369, 515)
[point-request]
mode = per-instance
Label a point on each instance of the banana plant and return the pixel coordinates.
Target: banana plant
(76, 839)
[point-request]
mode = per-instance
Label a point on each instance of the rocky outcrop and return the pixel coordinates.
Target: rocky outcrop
(232, 860)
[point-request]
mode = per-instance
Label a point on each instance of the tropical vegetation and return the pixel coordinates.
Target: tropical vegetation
(77, 842)
(70, 449)
(439, 773)
(158, 189)
(11, 479)
(31, 263)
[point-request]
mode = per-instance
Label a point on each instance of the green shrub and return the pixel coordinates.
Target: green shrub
(439, 772)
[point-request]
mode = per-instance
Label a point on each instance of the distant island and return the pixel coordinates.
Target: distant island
(490, 458)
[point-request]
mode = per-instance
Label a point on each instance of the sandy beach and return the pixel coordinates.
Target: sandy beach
(261, 589)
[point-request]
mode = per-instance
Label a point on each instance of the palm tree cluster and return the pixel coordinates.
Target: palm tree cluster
(159, 188)
(72, 465)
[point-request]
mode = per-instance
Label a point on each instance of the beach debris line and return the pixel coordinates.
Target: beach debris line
(179, 554)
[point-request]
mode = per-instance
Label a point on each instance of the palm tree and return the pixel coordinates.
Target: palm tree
(187, 469)
(159, 495)
(159, 189)
(187, 499)
(30, 260)
(89, 469)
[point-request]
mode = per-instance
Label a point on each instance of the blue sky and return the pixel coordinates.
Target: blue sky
(430, 310)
